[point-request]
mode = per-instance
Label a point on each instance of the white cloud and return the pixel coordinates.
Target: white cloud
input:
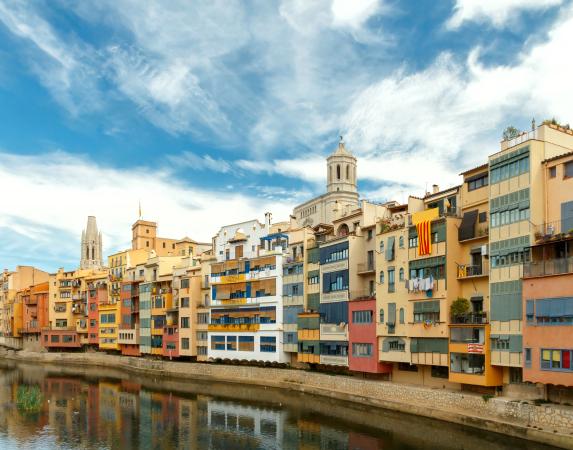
(195, 162)
(57, 192)
(497, 12)
(449, 116)
(354, 13)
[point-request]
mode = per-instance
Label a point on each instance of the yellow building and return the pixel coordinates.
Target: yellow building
(469, 346)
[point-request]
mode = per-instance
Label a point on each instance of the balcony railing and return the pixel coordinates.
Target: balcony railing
(552, 231)
(364, 294)
(470, 318)
(234, 327)
(468, 270)
(548, 267)
(365, 268)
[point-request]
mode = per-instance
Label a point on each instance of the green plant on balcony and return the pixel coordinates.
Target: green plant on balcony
(459, 307)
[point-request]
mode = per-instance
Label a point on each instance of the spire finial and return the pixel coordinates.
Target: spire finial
(140, 216)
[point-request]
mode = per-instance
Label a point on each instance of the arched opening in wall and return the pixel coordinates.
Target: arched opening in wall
(347, 172)
(338, 171)
(342, 230)
(330, 174)
(93, 252)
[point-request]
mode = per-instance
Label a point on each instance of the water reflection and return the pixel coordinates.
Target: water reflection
(103, 408)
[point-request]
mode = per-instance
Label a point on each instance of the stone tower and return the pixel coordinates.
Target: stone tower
(341, 176)
(91, 256)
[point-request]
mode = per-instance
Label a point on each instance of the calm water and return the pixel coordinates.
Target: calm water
(104, 408)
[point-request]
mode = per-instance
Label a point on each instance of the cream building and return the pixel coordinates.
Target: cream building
(341, 190)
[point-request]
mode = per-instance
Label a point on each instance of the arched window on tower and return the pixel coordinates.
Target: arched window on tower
(338, 171)
(93, 252)
(87, 253)
(347, 172)
(330, 174)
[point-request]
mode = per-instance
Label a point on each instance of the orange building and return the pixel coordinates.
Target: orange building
(35, 315)
(548, 281)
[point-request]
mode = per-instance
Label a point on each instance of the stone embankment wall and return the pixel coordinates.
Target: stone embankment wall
(551, 424)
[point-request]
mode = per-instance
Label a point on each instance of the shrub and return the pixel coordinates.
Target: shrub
(459, 307)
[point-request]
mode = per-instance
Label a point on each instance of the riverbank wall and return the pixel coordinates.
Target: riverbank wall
(547, 423)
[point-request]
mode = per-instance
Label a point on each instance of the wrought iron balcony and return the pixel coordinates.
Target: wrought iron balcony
(470, 318)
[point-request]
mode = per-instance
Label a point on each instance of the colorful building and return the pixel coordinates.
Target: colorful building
(548, 283)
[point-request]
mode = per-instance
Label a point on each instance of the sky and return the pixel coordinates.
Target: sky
(214, 112)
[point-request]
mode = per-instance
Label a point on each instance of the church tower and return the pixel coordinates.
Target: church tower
(341, 167)
(91, 256)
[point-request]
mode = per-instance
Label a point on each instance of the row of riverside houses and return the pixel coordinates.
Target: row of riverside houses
(469, 287)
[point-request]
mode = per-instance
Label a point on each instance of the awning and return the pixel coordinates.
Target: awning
(467, 228)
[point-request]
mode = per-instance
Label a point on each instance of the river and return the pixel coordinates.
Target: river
(52, 407)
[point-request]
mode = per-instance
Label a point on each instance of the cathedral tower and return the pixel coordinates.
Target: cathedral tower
(341, 175)
(91, 256)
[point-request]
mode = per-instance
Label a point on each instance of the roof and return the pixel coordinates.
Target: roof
(443, 191)
(564, 155)
(483, 166)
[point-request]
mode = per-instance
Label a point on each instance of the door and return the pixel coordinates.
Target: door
(238, 251)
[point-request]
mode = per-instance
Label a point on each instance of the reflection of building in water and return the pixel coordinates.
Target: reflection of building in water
(247, 426)
(64, 396)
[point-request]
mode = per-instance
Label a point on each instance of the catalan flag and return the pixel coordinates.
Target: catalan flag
(422, 220)
(424, 238)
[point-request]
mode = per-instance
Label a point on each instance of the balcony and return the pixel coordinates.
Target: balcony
(470, 319)
(128, 337)
(473, 271)
(31, 300)
(552, 232)
(365, 268)
(363, 294)
(234, 326)
(332, 332)
(333, 360)
(548, 267)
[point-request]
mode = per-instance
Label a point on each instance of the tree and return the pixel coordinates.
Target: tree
(510, 132)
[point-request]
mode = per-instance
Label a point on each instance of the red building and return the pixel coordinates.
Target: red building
(65, 338)
(362, 340)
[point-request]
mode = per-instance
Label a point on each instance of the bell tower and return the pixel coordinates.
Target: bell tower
(341, 170)
(91, 248)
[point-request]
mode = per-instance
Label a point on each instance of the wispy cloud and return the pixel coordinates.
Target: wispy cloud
(496, 12)
(58, 191)
(193, 161)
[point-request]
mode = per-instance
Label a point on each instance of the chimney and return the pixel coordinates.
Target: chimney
(435, 188)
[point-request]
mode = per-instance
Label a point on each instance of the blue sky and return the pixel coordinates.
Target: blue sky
(215, 112)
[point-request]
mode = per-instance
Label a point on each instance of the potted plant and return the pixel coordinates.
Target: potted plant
(459, 307)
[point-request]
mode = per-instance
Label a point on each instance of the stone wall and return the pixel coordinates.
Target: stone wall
(552, 424)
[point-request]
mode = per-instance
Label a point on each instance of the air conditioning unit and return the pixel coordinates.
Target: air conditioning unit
(485, 250)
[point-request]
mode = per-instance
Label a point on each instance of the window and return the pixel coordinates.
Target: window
(246, 343)
(397, 346)
(61, 323)
(552, 172)
(467, 335)
(314, 279)
(527, 357)
(232, 343)
(202, 335)
(381, 246)
(203, 318)
(362, 316)
(93, 323)
(467, 363)
(391, 280)
(550, 311)
(338, 172)
(362, 350)
(440, 372)
(369, 235)
(401, 274)
(185, 283)
(568, 169)
(510, 169)
(401, 241)
(147, 243)
(185, 343)
(406, 367)
(217, 342)
(55, 338)
(402, 315)
(556, 360)
(482, 217)
(382, 277)
(381, 316)
(184, 302)
(184, 322)
(268, 344)
(477, 182)
(413, 242)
